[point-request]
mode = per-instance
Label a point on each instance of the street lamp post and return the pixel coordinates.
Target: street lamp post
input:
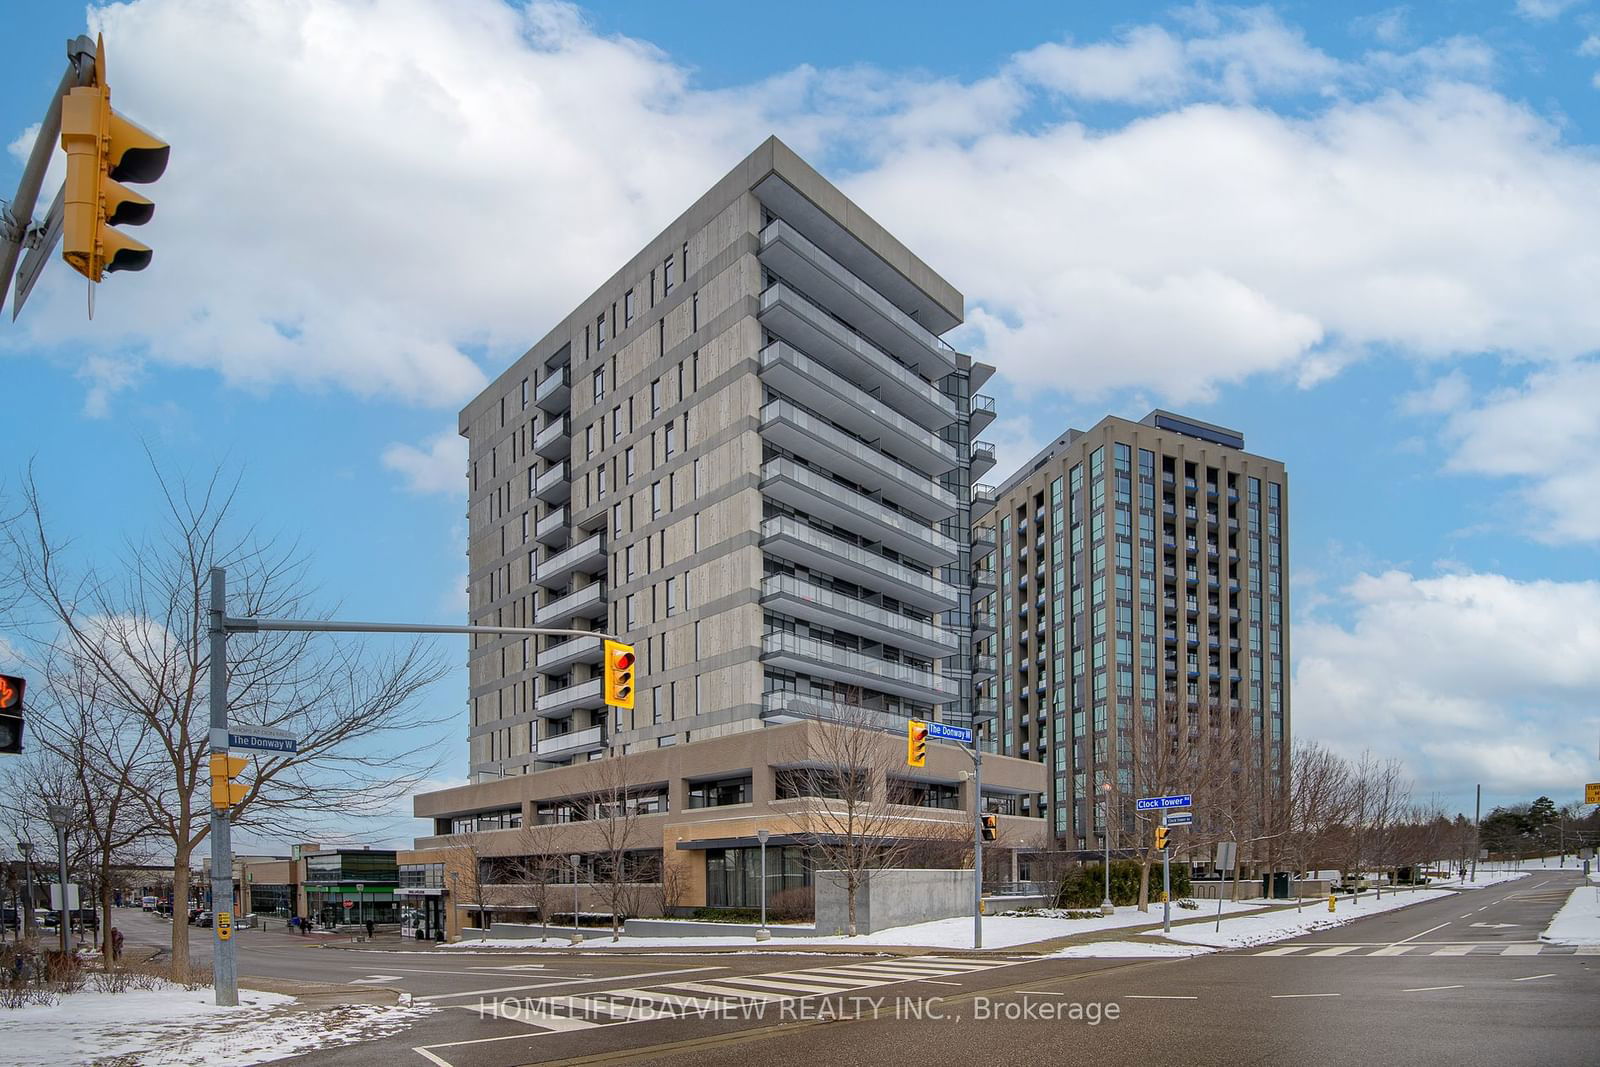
(26, 927)
(1106, 907)
(762, 933)
(577, 934)
(61, 818)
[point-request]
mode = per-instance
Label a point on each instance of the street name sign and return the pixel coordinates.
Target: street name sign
(1182, 800)
(1176, 818)
(1226, 852)
(262, 739)
(950, 733)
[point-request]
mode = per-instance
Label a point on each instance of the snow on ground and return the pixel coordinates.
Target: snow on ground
(1485, 878)
(1578, 921)
(175, 1027)
(1260, 929)
(1569, 862)
(999, 931)
(1126, 950)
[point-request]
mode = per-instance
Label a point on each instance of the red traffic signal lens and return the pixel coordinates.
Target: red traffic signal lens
(10, 692)
(622, 661)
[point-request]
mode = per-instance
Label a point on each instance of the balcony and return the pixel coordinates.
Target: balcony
(983, 622)
(553, 528)
(982, 458)
(790, 539)
(984, 708)
(797, 375)
(779, 707)
(559, 703)
(572, 743)
(803, 434)
(555, 392)
(983, 578)
(807, 600)
(555, 440)
(984, 498)
(586, 557)
(983, 413)
(554, 484)
(558, 659)
(804, 655)
(587, 603)
(983, 666)
(980, 374)
(807, 491)
(789, 315)
(788, 254)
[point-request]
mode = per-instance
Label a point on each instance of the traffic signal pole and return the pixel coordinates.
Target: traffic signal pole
(977, 843)
(224, 959)
(16, 221)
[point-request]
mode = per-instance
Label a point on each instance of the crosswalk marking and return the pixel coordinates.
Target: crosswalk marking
(740, 994)
(1337, 950)
(1285, 950)
(1394, 950)
(1522, 950)
(1475, 949)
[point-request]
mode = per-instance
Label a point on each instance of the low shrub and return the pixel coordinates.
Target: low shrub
(1085, 887)
(726, 915)
(792, 905)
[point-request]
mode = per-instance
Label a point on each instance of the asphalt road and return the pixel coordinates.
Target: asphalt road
(1459, 981)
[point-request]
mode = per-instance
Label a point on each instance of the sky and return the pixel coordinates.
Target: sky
(1365, 235)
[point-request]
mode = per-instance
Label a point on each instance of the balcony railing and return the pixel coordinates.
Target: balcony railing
(555, 483)
(780, 706)
(559, 658)
(814, 603)
(555, 439)
(553, 529)
(586, 603)
(808, 655)
(572, 742)
(789, 538)
(800, 432)
(806, 490)
(553, 393)
(586, 557)
(559, 703)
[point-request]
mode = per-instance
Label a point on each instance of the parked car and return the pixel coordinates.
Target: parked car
(203, 919)
(148, 903)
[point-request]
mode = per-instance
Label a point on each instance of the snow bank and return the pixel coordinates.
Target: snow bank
(1578, 921)
(1260, 929)
(175, 1027)
(999, 931)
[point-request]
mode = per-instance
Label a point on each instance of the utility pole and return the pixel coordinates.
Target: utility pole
(977, 843)
(61, 819)
(224, 957)
(1477, 835)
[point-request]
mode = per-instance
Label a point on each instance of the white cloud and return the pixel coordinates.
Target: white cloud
(106, 376)
(1546, 433)
(1015, 442)
(1545, 10)
(1467, 677)
(1389, 26)
(438, 467)
(1446, 395)
(364, 199)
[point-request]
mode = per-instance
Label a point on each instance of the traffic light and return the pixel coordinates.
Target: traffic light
(103, 151)
(11, 688)
(619, 686)
(1161, 837)
(225, 792)
(916, 743)
(990, 825)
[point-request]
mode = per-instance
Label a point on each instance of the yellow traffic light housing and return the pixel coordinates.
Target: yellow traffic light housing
(225, 792)
(104, 150)
(916, 743)
(990, 825)
(1161, 837)
(619, 686)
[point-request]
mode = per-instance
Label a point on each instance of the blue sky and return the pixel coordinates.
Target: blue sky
(1363, 234)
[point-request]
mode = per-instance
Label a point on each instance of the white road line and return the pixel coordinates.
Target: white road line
(1468, 915)
(725, 991)
(518, 1013)
(1151, 996)
(1452, 950)
(925, 981)
(1424, 933)
(1521, 950)
(1531, 977)
(1393, 950)
(1431, 988)
(1285, 951)
(1339, 950)
(1039, 993)
(1302, 996)
(808, 988)
(566, 981)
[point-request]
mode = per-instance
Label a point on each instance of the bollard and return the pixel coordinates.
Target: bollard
(1332, 901)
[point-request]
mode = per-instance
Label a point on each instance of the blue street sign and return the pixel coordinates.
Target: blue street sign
(1184, 800)
(1176, 818)
(261, 742)
(950, 733)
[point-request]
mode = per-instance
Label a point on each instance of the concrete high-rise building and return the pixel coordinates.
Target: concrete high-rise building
(1142, 573)
(752, 455)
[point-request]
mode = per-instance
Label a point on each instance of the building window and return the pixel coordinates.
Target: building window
(600, 330)
(655, 398)
(671, 440)
(666, 275)
(627, 465)
(524, 394)
(627, 308)
(672, 597)
(655, 500)
(694, 311)
(599, 384)
(720, 793)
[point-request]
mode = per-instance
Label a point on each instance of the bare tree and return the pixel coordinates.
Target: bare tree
(464, 870)
(612, 814)
(1163, 762)
(843, 771)
(138, 624)
(1379, 796)
(536, 868)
